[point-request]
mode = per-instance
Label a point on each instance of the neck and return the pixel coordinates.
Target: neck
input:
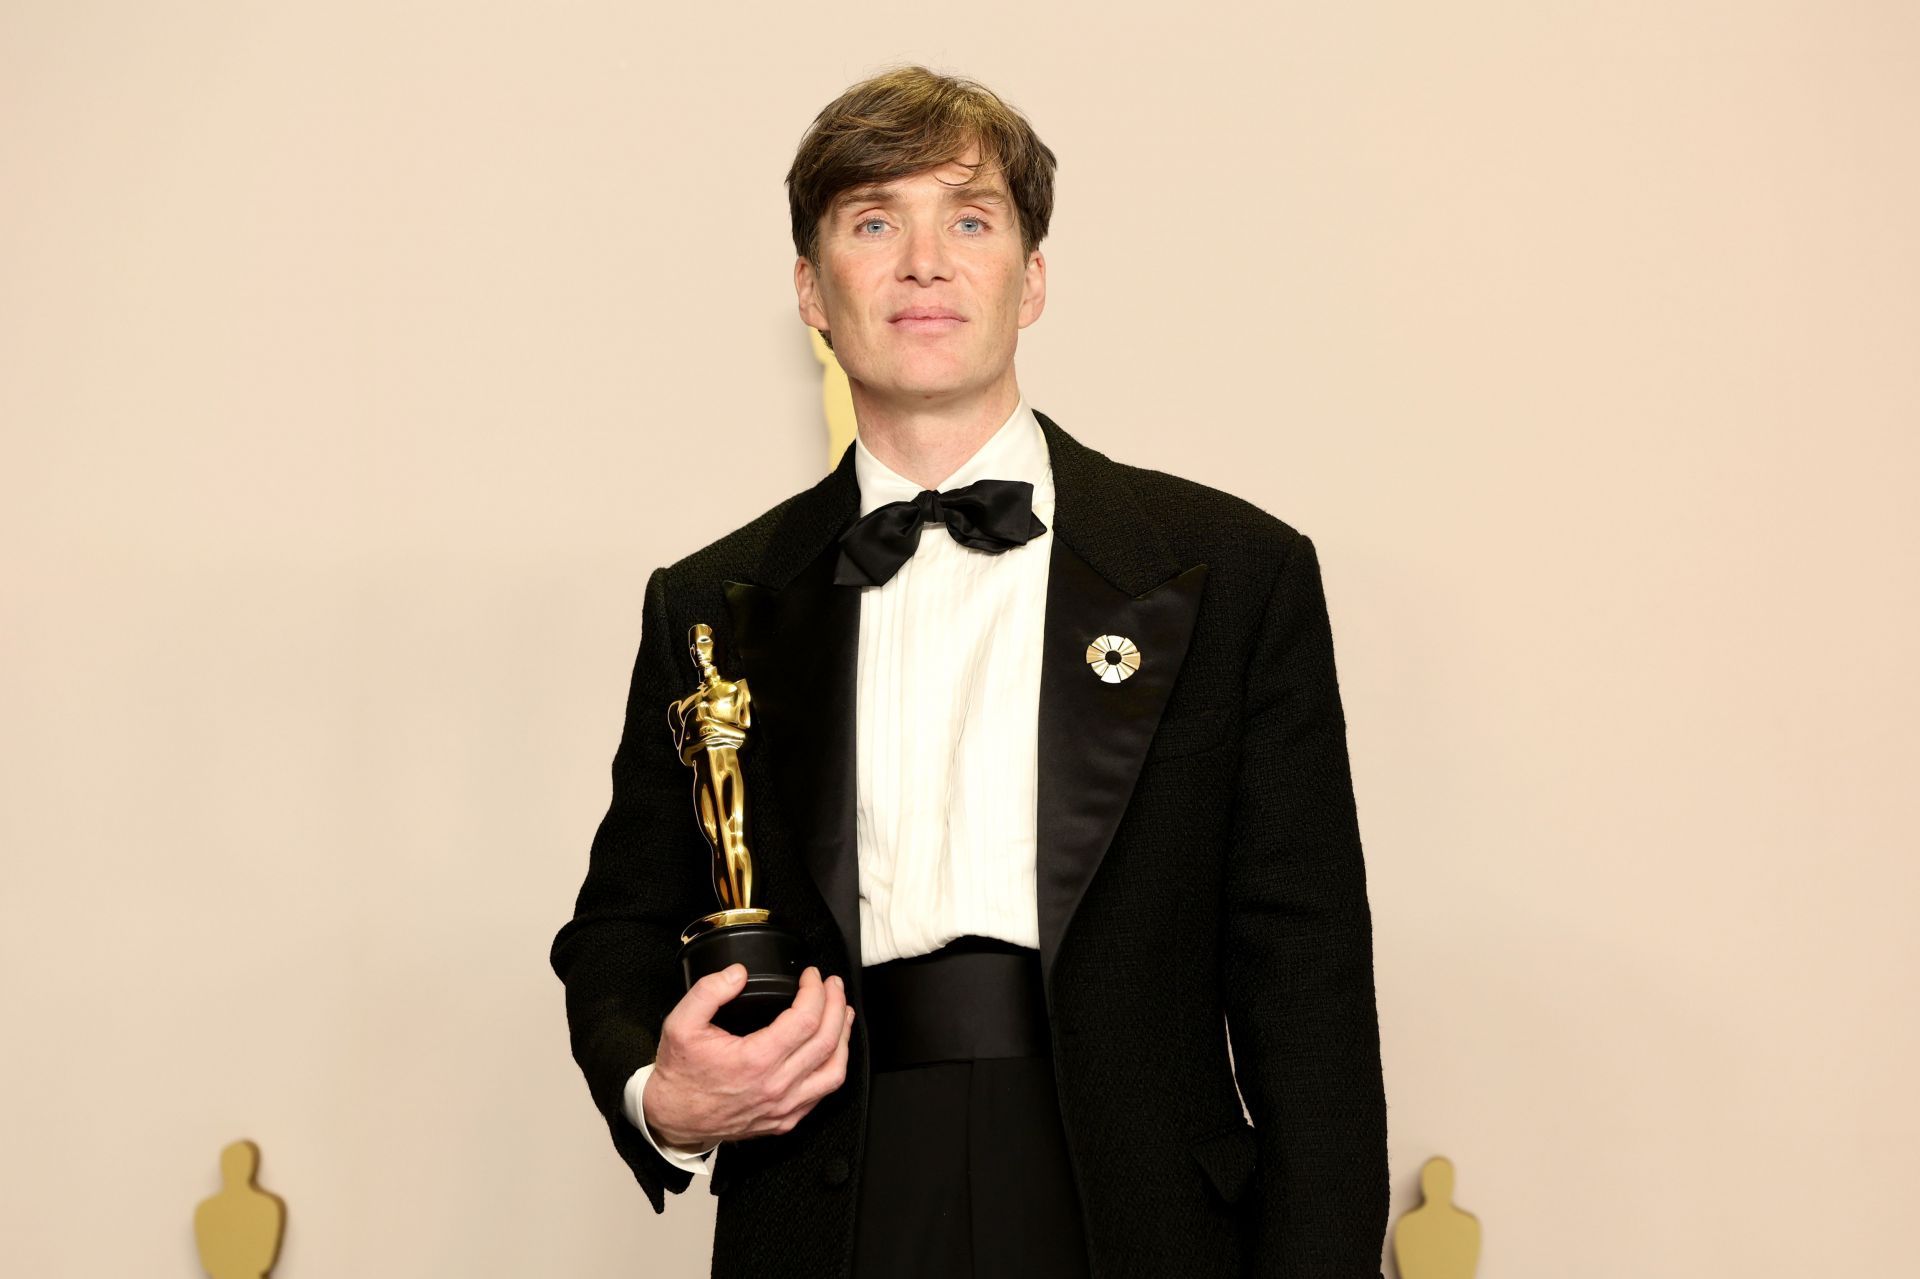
(925, 440)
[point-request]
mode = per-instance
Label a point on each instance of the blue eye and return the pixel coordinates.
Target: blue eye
(981, 221)
(871, 221)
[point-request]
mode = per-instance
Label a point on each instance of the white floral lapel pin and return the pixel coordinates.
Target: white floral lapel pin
(1113, 658)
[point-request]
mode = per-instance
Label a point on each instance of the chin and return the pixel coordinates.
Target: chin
(916, 379)
(934, 386)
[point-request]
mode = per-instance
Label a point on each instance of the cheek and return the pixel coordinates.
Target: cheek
(840, 291)
(1008, 285)
(858, 276)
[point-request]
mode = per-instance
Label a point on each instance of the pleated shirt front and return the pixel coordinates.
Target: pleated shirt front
(947, 722)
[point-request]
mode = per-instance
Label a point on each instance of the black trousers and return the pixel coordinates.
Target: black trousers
(966, 1172)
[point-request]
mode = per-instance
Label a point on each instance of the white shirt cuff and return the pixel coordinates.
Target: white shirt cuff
(694, 1161)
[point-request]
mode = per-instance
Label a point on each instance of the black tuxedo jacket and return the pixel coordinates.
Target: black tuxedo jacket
(1199, 870)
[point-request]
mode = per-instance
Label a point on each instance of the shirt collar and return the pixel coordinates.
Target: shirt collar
(1017, 450)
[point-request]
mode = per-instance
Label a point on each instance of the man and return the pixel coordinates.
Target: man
(1048, 768)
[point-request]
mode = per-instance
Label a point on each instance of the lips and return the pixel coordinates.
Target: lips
(927, 319)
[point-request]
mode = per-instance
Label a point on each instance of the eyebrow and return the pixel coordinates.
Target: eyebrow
(976, 193)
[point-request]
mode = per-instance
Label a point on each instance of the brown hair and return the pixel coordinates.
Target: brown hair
(907, 120)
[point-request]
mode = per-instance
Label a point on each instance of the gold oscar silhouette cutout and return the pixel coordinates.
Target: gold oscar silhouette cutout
(1437, 1240)
(709, 727)
(238, 1230)
(836, 399)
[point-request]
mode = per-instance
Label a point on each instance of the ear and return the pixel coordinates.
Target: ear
(806, 288)
(1033, 291)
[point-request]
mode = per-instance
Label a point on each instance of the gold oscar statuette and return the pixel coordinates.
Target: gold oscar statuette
(710, 727)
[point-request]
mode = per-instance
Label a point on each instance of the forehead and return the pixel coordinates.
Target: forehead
(951, 182)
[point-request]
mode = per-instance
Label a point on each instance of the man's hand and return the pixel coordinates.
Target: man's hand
(710, 1086)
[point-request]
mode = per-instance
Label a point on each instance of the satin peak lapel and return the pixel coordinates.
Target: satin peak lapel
(1112, 574)
(1094, 733)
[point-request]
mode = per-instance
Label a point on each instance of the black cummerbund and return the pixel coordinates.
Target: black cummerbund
(974, 997)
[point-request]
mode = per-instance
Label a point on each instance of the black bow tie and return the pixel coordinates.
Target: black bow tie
(988, 515)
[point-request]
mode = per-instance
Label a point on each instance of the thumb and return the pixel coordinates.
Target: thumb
(705, 996)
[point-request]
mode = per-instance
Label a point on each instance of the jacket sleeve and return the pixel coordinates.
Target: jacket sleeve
(1299, 953)
(647, 871)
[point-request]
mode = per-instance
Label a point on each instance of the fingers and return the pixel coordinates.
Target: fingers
(819, 1046)
(767, 1081)
(831, 1074)
(777, 1041)
(703, 999)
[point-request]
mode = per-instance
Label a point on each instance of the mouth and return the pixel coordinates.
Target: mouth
(927, 319)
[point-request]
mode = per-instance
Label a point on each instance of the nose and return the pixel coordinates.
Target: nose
(923, 253)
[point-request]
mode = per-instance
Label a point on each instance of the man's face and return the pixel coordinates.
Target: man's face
(943, 243)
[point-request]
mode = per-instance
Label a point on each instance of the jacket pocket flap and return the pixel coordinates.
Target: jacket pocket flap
(1229, 1158)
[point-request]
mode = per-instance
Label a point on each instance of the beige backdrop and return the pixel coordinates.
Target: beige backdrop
(355, 359)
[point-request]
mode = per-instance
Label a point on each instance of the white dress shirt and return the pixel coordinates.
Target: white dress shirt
(946, 728)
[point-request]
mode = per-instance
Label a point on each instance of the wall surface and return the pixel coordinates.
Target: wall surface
(352, 357)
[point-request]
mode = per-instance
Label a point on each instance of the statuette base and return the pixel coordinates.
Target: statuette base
(774, 958)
